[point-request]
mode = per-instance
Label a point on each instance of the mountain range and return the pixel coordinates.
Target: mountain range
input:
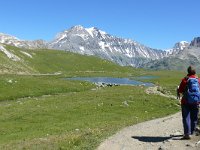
(125, 52)
(180, 58)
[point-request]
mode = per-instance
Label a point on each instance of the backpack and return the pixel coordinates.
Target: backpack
(192, 93)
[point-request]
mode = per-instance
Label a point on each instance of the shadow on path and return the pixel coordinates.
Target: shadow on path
(153, 138)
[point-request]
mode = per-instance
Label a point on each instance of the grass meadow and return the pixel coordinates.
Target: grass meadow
(47, 112)
(40, 110)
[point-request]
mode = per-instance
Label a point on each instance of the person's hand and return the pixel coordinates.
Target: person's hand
(178, 96)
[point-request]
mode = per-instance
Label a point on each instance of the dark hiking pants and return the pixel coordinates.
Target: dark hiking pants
(190, 118)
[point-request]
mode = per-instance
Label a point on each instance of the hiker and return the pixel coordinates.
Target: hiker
(190, 101)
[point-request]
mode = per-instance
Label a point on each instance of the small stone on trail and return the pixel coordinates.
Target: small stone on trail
(190, 145)
(152, 144)
(161, 148)
(198, 144)
(169, 140)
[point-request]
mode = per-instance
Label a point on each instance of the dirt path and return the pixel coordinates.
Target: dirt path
(159, 134)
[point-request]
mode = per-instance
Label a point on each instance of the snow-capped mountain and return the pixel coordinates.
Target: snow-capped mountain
(179, 46)
(186, 49)
(11, 40)
(192, 50)
(184, 54)
(126, 52)
(92, 41)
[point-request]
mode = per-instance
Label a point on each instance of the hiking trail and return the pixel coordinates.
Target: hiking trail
(159, 134)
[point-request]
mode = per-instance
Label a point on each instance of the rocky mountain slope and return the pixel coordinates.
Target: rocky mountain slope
(11, 40)
(125, 52)
(179, 46)
(180, 59)
(15, 60)
(92, 41)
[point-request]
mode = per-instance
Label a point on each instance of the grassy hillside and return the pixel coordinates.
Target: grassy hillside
(9, 66)
(173, 63)
(169, 80)
(39, 110)
(13, 87)
(53, 61)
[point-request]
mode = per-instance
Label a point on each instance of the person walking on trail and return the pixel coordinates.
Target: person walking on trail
(189, 88)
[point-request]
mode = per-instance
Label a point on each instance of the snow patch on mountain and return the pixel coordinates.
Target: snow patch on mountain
(62, 36)
(103, 45)
(9, 54)
(178, 47)
(27, 54)
(10, 40)
(181, 45)
(90, 31)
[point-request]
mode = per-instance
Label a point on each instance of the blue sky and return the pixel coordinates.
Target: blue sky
(154, 23)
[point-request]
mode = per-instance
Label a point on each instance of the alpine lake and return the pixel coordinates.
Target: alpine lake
(110, 81)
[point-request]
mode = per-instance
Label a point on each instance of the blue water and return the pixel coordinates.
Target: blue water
(109, 80)
(146, 77)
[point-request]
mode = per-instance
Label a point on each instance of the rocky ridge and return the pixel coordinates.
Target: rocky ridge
(92, 41)
(14, 41)
(125, 52)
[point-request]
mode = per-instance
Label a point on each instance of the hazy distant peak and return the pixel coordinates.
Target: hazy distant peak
(7, 36)
(181, 45)
(183, 42)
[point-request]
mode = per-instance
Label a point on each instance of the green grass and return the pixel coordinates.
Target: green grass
(70, 64)
(77, 120)
(169, 80)
(10, 66)
(13, 87)
(48, 112)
